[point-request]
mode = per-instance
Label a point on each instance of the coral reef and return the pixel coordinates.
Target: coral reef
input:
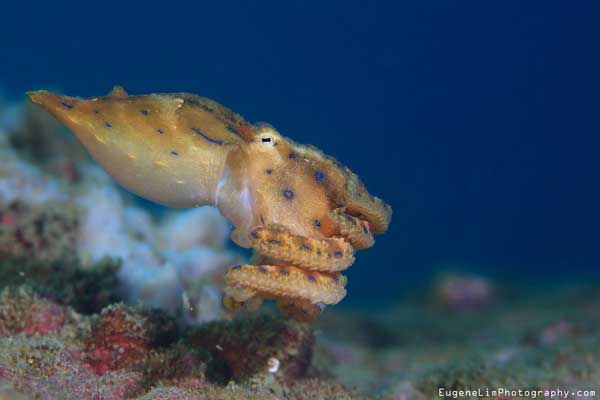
(87, 290)
(24, 312)
(49, 351)
(47, 233)
(122, 338)
(535, 340)
(258, 344)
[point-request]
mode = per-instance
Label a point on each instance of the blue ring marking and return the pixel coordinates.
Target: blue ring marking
(269, 171)
(144, 112)
(107, 124)
(284, 271)
(66, 105)
(317, 223)
(262, 269)
(311, 278)
(199, 132)
(173, 152)
(319, 176)
(236, 267)
(336, 278)
(288, 194)
(292, 156)
(337, 254)
(274, 241)
(160, 131)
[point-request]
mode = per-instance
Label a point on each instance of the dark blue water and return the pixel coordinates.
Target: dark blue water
(477, 121)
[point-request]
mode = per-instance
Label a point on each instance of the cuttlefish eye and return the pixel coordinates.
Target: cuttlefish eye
(267, 139)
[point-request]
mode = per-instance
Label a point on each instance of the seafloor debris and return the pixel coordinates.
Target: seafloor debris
(249, 346)
(463, 292)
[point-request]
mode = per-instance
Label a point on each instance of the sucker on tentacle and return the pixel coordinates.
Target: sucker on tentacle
(302, 211)
(331, 254)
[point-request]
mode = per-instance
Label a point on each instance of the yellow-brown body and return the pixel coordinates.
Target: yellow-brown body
(302, 211)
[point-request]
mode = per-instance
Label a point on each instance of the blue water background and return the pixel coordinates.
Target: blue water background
(477, 121)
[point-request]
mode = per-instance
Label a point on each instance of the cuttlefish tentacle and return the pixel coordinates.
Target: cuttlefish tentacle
(271, 281)
(330, 254)
(361, 204)
(299, 309)
(354, 230)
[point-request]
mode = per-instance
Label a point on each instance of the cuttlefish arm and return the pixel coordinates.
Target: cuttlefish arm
(169, 148)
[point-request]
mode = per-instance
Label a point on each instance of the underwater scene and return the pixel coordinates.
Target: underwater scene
(300, 200)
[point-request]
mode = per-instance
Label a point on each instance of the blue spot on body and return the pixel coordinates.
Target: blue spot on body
(174, 153)
(208, 138)
(262, 269)
(107, 124)
(317, 223)
(319, 176)
(144, 112)
(269, 171)
(284, 271)
(336, 278)
(337, 254)
(274, 241)
(292, 156)
(312, 278)
(288, 194)
(254, 234)
(160, 131)
(66, 105)
(236, 267)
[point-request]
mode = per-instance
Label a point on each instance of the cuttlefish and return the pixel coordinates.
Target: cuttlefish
(302, 212)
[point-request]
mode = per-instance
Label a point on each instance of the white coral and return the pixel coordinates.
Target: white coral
(165, 265)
